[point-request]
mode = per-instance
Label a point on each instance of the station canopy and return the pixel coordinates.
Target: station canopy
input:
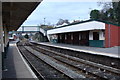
(82, 26)
(15, 13)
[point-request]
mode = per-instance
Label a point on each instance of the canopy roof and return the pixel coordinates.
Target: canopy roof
(82, 26)
(15, 13)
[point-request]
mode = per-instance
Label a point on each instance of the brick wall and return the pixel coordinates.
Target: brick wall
(112, 33)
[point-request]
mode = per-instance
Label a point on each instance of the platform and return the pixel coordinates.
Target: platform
(111, 52)
(15, 65)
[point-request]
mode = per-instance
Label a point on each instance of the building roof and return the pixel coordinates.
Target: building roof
(88, 21)
(81, 26)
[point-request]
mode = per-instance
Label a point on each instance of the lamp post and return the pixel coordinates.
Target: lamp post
(44, 21)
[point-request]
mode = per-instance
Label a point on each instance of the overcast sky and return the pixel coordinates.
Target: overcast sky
(53, 11)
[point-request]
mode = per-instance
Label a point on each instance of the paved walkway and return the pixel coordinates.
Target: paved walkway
(16, 66)
(111, 52)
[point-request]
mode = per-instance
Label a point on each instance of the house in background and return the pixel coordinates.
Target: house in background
(94, 33)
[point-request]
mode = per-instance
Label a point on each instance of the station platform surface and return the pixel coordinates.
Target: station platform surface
(111, 52)
(15, 65)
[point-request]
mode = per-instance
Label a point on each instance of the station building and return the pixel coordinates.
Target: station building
(94, 33)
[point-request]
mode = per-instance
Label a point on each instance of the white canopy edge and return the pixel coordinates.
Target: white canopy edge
(92, 25)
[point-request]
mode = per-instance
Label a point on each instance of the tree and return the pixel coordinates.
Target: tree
(110, 15)
(116, 7)
(110, 11)
(62, 21)
(95, 14)
(40, 37)
(26, 36)
(76, 21)
(107, 15)
(106, 5)
(46, 27)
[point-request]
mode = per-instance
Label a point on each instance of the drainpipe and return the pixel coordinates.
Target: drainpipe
(109, 32)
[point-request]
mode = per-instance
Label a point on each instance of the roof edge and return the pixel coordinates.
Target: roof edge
(107, 22)
(87, 21)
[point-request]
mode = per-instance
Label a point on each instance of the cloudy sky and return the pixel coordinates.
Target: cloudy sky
(52, 11)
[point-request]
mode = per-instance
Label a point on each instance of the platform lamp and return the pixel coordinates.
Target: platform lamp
(44, 21)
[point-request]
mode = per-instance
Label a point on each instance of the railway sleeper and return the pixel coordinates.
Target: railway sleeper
(57, 66)
(99, 73)
(90, 70)
(40, 69)
(110, 69)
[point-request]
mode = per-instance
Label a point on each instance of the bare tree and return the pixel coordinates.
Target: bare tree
(62, 21)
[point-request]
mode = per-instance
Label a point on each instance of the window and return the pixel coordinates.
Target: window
(95, 35)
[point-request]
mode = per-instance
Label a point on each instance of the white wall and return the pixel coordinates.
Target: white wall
(79, 36)
(101, 37)
(49, 37)
(43, 31)
(91, 35)
(101, 34)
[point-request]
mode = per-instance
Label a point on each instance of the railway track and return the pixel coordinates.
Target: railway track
(23, 51)
(99, 70)
(42, 70)
(105, 60)
(85, 69)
